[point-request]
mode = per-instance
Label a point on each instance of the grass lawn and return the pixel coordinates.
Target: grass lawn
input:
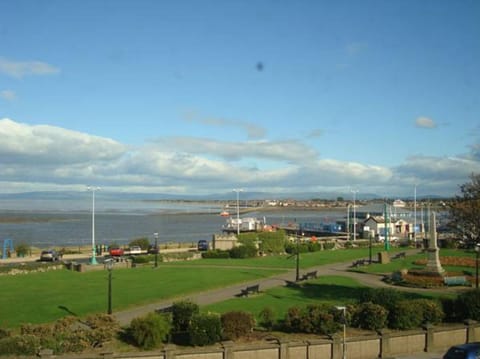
(45, 297)
(307, 260)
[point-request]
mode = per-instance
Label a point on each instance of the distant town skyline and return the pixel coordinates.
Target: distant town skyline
(201, 97)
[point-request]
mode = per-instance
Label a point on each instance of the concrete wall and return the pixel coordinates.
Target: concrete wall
(383, 345)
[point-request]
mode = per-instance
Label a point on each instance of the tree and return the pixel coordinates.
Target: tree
(464, 210)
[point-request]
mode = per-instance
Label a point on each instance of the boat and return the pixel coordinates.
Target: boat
(248, 224)
(225, 214)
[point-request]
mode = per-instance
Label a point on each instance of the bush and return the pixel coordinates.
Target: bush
(244, 251)
(149, 331)
(267, 318)
(312, 319)
(20, 345)
(237, 324)
(205, 329)
(467, 305)
(432, 311)
(272, 242)
(141, 259)
(386, 297)
(405, 315)
(182, 313)
(370, 316)
(217, 253)
(314, 247)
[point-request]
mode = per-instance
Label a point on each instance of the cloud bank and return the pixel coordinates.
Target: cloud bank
(19, 69)
(43, 157)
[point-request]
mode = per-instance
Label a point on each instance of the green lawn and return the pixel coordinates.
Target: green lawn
(44, 297)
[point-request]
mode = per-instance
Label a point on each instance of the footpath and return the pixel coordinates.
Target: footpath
(218, 295)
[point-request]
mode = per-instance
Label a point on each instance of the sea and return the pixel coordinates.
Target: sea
(57, 223)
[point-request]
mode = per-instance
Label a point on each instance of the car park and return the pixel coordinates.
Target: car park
(463, 351)
(50, 255)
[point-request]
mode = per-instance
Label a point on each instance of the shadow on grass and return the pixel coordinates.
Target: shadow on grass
(64, 308)
(333, 292)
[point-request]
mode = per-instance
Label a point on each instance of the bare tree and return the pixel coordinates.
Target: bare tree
(465, 212)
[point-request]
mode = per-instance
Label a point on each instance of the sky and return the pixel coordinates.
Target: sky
(196, 97)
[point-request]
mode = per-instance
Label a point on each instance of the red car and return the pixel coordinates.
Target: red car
(116, 252)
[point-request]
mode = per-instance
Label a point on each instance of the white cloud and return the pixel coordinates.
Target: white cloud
(8, 95)
(355, 48)
(253, 130)
(425, 122)
(42, 156)
(20, 69)
(22, 143)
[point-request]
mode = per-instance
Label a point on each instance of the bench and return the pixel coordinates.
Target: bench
(457, 280)
(309, 275)
(399, 255)
(250, 290)
(360, 262)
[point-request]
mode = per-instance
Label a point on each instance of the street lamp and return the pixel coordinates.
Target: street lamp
(155, 235)
(238, 209)
(344, 314)
(93, 259)
(109, 263)
(477, 251)
(354, 215)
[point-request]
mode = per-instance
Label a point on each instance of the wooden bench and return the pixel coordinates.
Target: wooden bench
(360, 262)
(456, 280)
(309, 275)
(250, 290)
(399, 255)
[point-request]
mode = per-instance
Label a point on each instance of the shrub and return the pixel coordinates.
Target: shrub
(405, 315)
(467, 305)
(182, 313)
(272, 242)
(245, 251)
(141, 259)
(149, 331)
(267, 318)
(386, 297)
(217, 253)
(237, 324)
(20, 345)
(314, 247)
(328, 245)
(432, 311)
(370, 316)
(205, 329)
(312, 319)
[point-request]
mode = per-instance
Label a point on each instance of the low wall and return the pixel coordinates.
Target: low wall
(386, 344)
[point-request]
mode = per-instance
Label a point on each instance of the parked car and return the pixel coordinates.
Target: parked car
(202, 245)
(135, 250)
(116, 252)
(153, 250)
(50, 255)
(463, 351)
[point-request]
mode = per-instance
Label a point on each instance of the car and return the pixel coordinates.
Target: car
(153, 250)
(50, 255)
(135, 250)
(463, 351)
(202, 245)
(116, 251)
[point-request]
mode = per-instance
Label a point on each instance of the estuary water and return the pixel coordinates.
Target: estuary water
(57, 223)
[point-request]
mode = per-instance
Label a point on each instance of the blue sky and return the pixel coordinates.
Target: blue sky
(201, 97)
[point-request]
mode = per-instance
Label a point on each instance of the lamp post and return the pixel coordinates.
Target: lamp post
(238, 209)
(93, 259)
(109, 263)
(415, 216)
(344, 314)
(155, 235)
(477, 252)
(354, 215)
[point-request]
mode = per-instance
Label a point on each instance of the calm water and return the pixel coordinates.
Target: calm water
(43, 223)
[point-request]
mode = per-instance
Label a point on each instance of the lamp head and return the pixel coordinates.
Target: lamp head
(109, 263)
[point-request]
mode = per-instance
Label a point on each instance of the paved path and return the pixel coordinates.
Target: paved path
(217, 295)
